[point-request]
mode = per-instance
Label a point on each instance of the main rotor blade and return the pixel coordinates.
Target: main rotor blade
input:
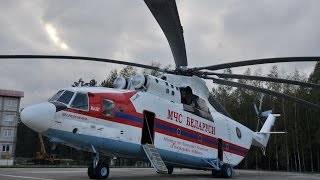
(266, 91)
(80, 58)
(257, 61)
(260, 78)
(166, 14)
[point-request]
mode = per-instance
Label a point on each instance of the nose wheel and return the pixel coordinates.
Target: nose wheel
(98, 169)
(100, 172)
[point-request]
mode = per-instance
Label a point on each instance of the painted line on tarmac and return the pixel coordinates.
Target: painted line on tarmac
(23, 177)
(48, 172)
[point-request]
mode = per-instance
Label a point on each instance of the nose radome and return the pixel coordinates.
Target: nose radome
(38, 117)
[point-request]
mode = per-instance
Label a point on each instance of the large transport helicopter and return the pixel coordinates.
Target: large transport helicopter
(172, 121)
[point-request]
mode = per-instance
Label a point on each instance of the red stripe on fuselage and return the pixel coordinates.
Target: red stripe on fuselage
(168, 133)
(197, 141)
(112, 119)
(183, 129)
(122, 101)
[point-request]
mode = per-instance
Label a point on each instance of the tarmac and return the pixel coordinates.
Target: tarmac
(141, 173)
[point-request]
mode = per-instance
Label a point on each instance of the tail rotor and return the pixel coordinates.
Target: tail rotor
(259, 111)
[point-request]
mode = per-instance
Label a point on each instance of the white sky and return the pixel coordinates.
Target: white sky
(215, 32)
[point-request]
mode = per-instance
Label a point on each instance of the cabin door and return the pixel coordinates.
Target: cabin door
(220, 149)
(148, 128)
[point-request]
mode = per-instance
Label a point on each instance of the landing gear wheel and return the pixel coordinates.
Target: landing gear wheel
(226, 171)
(170, 169)
(216, 173)
(91, 172)
(102, 171)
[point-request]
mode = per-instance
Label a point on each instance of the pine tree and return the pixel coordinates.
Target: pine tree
(110, 79)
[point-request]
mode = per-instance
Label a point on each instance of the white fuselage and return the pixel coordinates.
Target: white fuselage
(183, 139)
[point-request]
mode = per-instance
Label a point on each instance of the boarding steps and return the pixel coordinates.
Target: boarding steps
(155, 158)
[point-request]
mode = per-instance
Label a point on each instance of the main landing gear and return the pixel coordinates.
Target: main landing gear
(98, 169)
(220, 169)
(170, 169)
(226, 171)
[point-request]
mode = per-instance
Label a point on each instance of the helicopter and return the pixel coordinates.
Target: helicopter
(172, 121)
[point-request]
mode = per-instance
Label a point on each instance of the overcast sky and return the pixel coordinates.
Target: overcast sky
(215, 32)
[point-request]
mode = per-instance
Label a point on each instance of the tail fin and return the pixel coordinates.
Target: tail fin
(261, 138)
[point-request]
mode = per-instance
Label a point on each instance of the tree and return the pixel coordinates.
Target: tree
(314, 96)
(110, 79)
(151, 71)
(27, 141)
(128, 71)
(81, 83)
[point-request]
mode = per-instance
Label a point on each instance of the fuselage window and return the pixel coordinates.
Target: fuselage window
(80, 102)
(108, 108)
(66, 97)
(238, 132)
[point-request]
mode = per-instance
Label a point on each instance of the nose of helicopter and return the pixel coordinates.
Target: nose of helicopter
(38, 117)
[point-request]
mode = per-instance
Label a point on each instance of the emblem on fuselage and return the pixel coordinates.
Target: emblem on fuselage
(92, 108)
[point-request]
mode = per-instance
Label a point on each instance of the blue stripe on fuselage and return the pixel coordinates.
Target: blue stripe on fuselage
(183, 133)
(128, 117)
(233, 148)
(125, 149)
(167, 128)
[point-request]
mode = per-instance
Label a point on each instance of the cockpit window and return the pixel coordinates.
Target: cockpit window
(62, 96)
(108, 108)
(56, 96)
(80, 101)
(66, 97)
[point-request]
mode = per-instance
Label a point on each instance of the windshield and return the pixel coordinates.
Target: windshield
(62, 96)
(80, 102)
(56, 96)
